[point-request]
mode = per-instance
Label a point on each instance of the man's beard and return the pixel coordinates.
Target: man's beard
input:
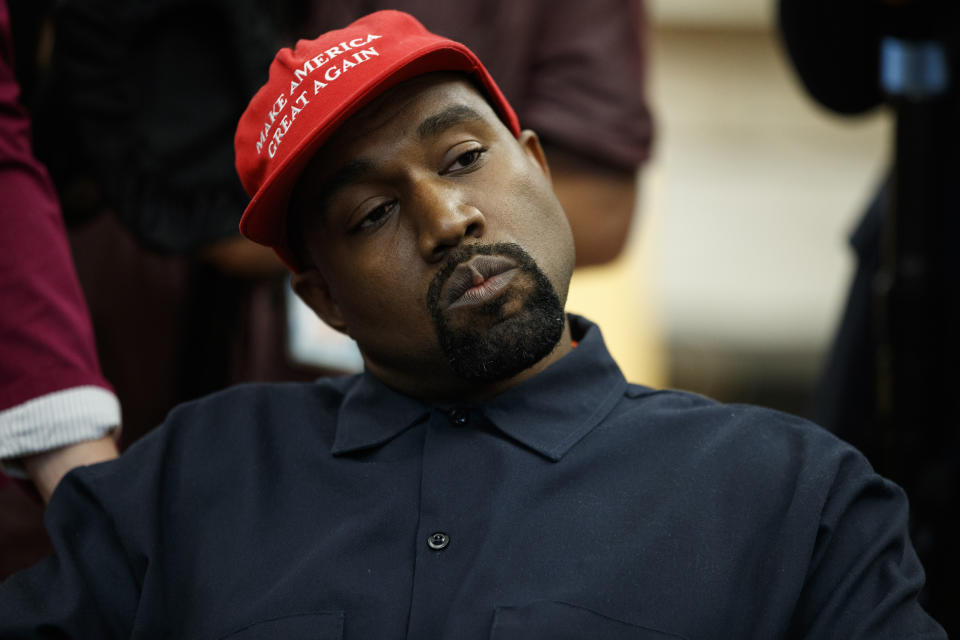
(504, 346)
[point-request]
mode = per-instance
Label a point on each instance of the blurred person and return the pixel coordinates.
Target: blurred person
(56, 409)
(835, 48)
(491, 473)
(889, 378)
(140, 296)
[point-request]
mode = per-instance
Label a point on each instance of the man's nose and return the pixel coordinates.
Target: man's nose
(445, 220)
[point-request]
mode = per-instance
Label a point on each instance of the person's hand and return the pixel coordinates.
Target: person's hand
(48, 468)
(237, 256)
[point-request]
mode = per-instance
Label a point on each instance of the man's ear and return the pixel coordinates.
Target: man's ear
(530, 144)
(314, 290)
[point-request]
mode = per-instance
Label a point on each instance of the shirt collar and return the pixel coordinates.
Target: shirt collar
(549, 413)
(372, 413)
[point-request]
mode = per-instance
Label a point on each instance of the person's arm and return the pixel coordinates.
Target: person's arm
(587, 101)
(237, 256)
(89, 588)
(599, 201)
(52, 394)
(48, 468)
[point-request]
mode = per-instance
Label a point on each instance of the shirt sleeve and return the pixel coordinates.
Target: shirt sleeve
(586, 88)
(89, 588)
(46, 337)
(864, 575)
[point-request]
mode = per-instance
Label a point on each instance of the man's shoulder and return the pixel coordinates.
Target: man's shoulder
(739, 439)
(324, 394)
(258, 408)
(227, 434)
(241, 419)
(703, 412)
(700, 413)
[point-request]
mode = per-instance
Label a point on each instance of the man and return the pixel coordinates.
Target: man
(491, 474)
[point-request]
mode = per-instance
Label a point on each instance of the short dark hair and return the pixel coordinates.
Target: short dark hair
(296, 229)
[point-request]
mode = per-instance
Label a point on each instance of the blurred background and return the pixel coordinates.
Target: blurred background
(740, 262)
(736, 277)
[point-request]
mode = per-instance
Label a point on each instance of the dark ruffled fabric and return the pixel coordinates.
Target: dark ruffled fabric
(142, 102)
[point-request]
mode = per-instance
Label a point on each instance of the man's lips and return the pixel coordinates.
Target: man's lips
(476, 281)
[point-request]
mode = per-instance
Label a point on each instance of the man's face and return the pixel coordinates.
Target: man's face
(439, 244)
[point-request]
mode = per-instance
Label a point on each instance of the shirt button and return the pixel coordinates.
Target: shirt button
(438, 541)
(459, 417)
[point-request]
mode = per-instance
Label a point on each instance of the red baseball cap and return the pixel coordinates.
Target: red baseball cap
(314, 87)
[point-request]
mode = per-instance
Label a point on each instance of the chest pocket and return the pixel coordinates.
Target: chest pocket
(562, 621)
(309, 626)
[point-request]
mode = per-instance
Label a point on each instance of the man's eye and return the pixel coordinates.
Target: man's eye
(376, 217)
(467, 159)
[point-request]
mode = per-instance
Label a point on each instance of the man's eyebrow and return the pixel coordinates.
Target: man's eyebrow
(357, 169)
(449, 117)
(316, 199)
(348, 173)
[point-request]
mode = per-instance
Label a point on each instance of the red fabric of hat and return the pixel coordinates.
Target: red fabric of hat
(313, 89)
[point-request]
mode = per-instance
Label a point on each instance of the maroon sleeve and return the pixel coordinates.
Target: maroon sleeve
(46, 338)
(587, 83)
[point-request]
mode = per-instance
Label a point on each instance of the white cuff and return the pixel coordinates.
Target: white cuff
(56, 420)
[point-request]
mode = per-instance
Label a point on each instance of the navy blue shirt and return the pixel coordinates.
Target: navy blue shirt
(574, 505)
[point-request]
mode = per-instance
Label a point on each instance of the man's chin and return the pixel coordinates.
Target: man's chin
(501, 337)
(503, 348)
